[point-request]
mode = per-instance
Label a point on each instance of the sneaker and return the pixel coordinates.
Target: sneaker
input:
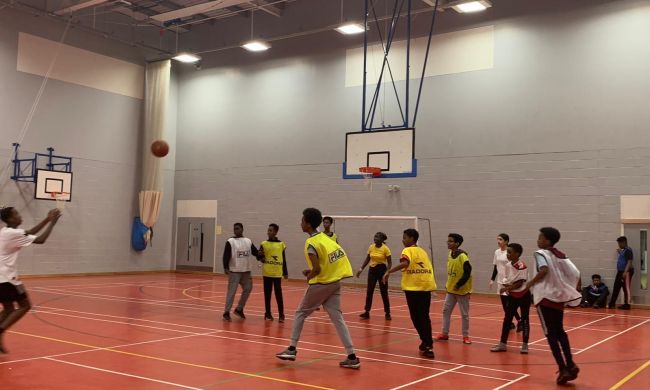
(350, 363)
(281, 318)
(442, 337)
(524, 349)
(287, 354)
(584, 304)
(388, 317)
(573, 372)
(610, 306)
(268, 317)
(240, 313)
(365, 315)
(501, 347)
(2, 346)
(625, 306)
(596, 306)
(520, 327)
(467, 340)
(422, 347)
(226, 317)
(428, 352)
(563, 376)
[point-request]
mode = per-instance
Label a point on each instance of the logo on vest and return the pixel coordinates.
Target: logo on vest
(275, 261)
(241, 254)
(336, 255)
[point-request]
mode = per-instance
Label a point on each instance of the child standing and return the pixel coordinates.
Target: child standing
(379, 258)
(417, 282)
(556, 283)
(459, 287)
(328, 265)
(327, 225)
(513, 284)
(500, 262)
(272, 252)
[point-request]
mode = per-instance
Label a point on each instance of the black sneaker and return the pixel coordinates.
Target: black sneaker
(267, 317)
(573, 372)
(365, 315)
(226, 317)
(287, 354)
(350, 363)
(625, 306)
(563, 376)
(422, 347)
(388, 317)
(240, 313)
(281, 318)
(428, 352)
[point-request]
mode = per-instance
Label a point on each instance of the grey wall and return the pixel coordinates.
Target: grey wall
(101, 131)
(556, 132)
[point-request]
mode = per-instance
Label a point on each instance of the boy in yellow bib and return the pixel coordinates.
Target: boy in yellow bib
(273, 270)
(459, 287)
(328, 264)
(418, 281)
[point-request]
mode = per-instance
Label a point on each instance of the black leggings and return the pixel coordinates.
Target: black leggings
(269, 285)
(523, 304)
(552, 323)
(504, 304)
(375, 274)
(419, 303)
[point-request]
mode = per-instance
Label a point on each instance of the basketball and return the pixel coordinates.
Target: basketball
(159, 148)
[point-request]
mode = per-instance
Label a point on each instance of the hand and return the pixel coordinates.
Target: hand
(359, 272)
(385, 278)
(306, 272)
(528, 286)
(491, 284)
(286, 277)
(225, 271)
(625, 274)
(502, 290)
(53, 214)
(456, 287)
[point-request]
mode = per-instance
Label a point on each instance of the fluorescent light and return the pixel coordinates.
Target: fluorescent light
(187, 58)
(472, 6)
(256, 46)
(350, 28)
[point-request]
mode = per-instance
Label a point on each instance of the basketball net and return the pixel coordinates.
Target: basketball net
(367, 180)
(60, 198)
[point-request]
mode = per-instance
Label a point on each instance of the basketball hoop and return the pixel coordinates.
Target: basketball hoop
(368, 174)
(60, 198)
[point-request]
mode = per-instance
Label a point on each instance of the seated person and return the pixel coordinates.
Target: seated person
(595, 294)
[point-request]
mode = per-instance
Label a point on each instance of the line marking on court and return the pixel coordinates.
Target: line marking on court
(630, 376)
(577, 327)
(248, 374)
(611, 337)
(122, 374)
(524, 376)
(426, 378)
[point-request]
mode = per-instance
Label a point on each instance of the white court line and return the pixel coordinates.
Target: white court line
(611, 337)
(212, 334)
(577, 327)
(123, 374)
(511, 382)
(105, 348)
(426, 378)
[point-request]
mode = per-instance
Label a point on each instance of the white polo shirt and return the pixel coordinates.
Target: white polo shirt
(11, 242)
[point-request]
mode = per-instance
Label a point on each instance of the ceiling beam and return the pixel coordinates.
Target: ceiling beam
(196, 9)
(77, 7)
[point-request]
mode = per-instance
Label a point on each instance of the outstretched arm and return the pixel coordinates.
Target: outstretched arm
(54, 216)
(44, 222)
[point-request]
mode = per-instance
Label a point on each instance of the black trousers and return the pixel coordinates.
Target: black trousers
(553, 325)
(419, 303)
(375, 274)
(523, 304)
(592, 299)
(271, 284)
(504, 304)
(625, 284)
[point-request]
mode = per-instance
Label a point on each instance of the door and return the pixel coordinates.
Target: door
(195, 244)
(637, 239)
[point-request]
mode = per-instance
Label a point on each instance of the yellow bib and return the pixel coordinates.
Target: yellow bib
(418, 276)
(332, 237)
(273, 259)
(334, 263)
(378, 255)
(455, 272)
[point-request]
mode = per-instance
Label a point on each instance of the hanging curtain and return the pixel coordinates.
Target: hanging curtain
(155, 111)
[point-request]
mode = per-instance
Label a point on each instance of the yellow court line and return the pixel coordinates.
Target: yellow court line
(176, 361)
(630, 376)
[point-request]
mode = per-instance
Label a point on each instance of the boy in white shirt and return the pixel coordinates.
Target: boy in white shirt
(12, 240)
(513, 284)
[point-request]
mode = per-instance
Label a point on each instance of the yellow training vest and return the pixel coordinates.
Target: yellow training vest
(378, 255)
(273, 258)
(455, 272)
(334, 263)
(418, 276)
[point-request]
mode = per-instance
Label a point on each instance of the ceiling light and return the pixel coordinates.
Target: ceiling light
(256, 46)
(350, 28)
(472, 6)
(187, 58)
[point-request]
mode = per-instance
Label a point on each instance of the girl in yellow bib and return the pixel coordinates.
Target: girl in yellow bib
(418, 281)
(273, 270)
(379, 258)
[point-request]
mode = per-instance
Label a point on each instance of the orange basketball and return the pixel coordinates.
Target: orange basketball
(159, 148)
